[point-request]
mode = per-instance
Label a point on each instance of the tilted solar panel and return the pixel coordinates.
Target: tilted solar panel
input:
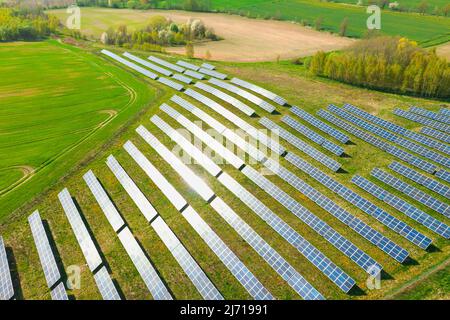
(445, 111)
(6, 285)
(265, 93)
(166, 64)
(129, 64)
(148, 274)
(106, 285)
(436, 134)
(82, 235)
(208, 66)
(182, 78)
(429, 114)
(188, 65)
(212, 73)
(194, 74)
(48, 262)
(444, 175)
(403, 206)
(130, 187)
(59, 292)
(170, 83)
(423, 120)
(149, 65)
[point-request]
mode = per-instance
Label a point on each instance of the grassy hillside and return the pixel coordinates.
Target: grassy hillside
(58, 103)
(291, 82)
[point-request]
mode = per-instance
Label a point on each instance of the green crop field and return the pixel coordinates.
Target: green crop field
(58, 103)
(411, 25)
(291, 82)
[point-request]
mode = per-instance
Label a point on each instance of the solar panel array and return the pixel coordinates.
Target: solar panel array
(369, 138)
(208, 66)
(166, 64)
(6, 285)
(405, 143)
(313, 136)
(265, 93)
(129, 64)
(231, 261)
(436, 134)
(322, 126)
(444, 175)
(244, 94)
(423, 120)
(398, 129)
(213, 73)
(149, 65)
(429, 114)
(48, 262)
(227, 98)
(182, 78)
(385, 218)
(445, 111)
(79, 229)
(403, 206)
(194, 74)
(302, 146)
(188, 65)
(106, 285)
(421, 179)
(411, 191)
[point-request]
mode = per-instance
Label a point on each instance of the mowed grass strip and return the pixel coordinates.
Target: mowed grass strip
(291, 82)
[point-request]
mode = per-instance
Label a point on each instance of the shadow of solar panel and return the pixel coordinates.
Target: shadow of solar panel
(166, 64)
(403, 206)
(105, 285)
(48, 262)
(6, 285)
(265, 93)
(429, 114)
(143, 266)
(148, 64)
(412, 192)
(59, 292)
(129, 64)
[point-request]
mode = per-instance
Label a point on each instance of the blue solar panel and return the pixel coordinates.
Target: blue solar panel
(311, 135)
(398, 129)
(403, 206)
(445, 112)
(421, 179)
(444, 175)
(411, 191)
(423, 120)
(302, 146)
(407, 144)
(395, 151)
(319, 124)
(436, 134)
(385, 218)
(429, 114)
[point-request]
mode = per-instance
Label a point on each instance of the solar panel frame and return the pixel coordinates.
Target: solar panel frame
(59, 292)
(147, 64)
(166, 64)
(188, 65)
(45, 252)
(6, 284)
(131, 65)
(80, 231)
(105, 285)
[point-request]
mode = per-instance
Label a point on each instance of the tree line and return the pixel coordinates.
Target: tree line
(392, 64)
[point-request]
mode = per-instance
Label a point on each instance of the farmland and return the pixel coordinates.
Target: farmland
(287, 80)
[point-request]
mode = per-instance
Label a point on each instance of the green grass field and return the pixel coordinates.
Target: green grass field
(291, 82)
(58, 103)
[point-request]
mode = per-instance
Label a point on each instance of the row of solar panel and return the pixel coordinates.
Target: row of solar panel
(437, 135)
(432, 115)
(400, 130)
(423, 120)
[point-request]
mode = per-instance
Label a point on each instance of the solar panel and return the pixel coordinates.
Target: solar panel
(188, 65)
(143, 266)
(59, 292)
(444, 175)
(129, 64)
(212, 73)
(79, 229)
(403, 206)
(272, 257)
(311, 135)
(436, 134)
(149, 65)
(429, 114)
(166, 64)
(105, 285)
(188, 176)
(228, 155)
(385, 218)
(48, 262)
(227, 98)
(265, 93)
(256, 134)
(6, 285)
(395, 151)
(186, 261)
(130, 187)
(411, 191)
(208, 66)
(445, 111)
(170, 83)
(302, 146)
(322, 126)
(405, 143)
(423, 120)
(244, 94)
(421, 179)
(103, 200)
(398, 129)
(182, 78)
(194, 74)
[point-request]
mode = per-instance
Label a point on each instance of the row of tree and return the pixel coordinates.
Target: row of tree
(388, 63)
(25, 24)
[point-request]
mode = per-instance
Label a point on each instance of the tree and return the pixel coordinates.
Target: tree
(423, 7)
(446, 10)
(343, 27)
(189, 50)
(318, 23)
